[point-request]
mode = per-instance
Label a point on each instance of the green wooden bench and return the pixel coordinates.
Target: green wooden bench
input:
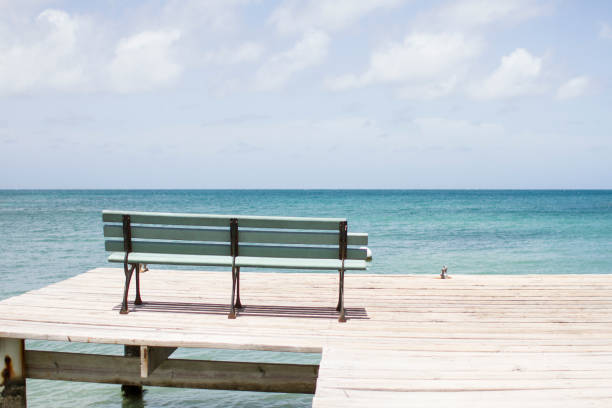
(136, 238)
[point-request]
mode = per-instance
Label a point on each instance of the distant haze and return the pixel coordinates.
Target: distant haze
(309, 94)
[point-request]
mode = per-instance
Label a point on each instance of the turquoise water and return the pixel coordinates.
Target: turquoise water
(45, 235)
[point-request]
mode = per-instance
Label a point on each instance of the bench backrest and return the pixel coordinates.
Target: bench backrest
(202, 234)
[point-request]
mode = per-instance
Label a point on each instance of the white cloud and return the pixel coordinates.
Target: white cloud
(309, 51)
(143, 61)
(474, 13)
(428, 90)
(573, 88)
(292, 16)
(200, 15)
(605, 31)
(58, 50)
(428, 64)
(454, 132)
(44, 56)
(518, 74)
(249, 51)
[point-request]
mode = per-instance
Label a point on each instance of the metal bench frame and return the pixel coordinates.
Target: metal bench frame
(130, 268)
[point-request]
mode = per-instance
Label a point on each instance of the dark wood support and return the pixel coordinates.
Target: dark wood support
(130, 389)
(152, 357)
(218, 375)
(12, 382)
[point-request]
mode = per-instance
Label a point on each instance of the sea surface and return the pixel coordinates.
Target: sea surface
(47, 236)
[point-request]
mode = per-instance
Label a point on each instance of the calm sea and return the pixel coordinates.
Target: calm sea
(48, 236)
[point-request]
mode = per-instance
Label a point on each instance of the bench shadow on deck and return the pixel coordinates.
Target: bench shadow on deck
(355, 313)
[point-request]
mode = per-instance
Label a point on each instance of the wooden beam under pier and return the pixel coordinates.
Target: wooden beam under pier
(217, 375)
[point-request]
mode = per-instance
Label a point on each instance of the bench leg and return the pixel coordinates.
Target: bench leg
(238, 304)
(232, 313)
(128, 276)
(340, 307)
(339, 289)
(138, 300)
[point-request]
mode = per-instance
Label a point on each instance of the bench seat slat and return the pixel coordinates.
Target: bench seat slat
(269, 251)
(208, 220)
(299, 263)
(172, 259)
(242, 261)
(165, 247)
(274, 251)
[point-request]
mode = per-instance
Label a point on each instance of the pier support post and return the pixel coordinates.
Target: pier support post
(152, 357)
(12, 383)
(131, 392)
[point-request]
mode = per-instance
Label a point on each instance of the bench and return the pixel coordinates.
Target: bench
(136, 238)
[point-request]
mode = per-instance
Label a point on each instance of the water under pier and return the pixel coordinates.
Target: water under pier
(410, 340)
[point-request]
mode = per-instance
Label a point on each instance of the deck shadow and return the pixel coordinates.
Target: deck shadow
(318, 312)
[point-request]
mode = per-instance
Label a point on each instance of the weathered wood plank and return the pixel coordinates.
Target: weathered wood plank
(220, 375)
(471, 333)
(546, 398)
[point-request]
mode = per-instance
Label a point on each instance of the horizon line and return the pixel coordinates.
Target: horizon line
(306, 189)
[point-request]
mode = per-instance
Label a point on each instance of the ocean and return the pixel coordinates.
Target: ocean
(48, 236)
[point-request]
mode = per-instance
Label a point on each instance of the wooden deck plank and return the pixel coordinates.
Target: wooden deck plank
(528, 340)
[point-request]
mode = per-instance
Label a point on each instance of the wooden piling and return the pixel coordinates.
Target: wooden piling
(131, 391)
(13, 383)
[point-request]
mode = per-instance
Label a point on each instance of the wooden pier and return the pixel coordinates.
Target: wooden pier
(419, 341)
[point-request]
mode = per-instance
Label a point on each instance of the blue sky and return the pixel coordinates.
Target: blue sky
(310, 94)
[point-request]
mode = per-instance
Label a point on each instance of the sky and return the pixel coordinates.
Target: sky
(306, 94)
